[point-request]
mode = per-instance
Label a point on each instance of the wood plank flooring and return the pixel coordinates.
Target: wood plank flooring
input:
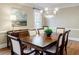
(73, 49)
(5, 51)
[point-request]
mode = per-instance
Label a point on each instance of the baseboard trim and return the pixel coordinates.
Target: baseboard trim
(3, 45)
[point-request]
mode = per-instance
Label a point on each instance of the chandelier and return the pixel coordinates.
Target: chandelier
(49, 13)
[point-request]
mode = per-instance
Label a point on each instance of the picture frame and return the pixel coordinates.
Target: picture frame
(20, 18)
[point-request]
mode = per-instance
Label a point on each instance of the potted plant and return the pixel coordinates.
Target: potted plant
(48, 32)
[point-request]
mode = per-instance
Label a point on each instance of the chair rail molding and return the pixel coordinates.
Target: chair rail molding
(73, 38)
(3, 32)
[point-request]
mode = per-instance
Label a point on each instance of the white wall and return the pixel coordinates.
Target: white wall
(68, 18)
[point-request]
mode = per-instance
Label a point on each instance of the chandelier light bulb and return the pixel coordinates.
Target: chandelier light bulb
(46, 9)
(56, 9)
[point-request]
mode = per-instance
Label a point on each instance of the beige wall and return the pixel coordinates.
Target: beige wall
(68, 18)
(5, 22)
(5, 12)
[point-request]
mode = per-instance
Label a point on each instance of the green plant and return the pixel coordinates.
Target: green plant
(48, 31)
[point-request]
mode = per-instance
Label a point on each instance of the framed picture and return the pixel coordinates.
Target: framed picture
(20, 18)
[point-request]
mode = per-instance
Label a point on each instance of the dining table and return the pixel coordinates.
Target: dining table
(40, 42)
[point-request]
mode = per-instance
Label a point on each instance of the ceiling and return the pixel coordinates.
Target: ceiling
(50, 5)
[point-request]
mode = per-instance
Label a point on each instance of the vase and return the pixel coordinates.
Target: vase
(48, 35)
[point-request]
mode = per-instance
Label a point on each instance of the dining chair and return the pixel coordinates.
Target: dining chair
(41, 31)
(65, 38)
(32, 32)
(16, 34)
(16, 47)
(19, 34)
(60, 30)
(57, 49)
(23, 34)
(45, 27)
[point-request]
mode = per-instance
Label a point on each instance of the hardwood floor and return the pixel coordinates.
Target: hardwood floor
(73, 49)
(5, 51)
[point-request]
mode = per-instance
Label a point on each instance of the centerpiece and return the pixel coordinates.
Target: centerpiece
(48, 32)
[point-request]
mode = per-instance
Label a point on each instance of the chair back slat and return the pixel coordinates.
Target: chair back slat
(59, 43)
(66, 35)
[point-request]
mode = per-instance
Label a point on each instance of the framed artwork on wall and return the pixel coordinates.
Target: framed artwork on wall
(19, 18)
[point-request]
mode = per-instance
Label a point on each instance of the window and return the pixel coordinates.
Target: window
(38, 19)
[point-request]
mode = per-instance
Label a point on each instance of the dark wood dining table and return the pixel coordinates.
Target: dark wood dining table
(40, 42)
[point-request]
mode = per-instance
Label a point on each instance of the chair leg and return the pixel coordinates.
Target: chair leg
(61, 52)
(12, 53)
(65, 50)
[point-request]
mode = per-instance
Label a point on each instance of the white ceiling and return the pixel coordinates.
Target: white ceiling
(50, 5)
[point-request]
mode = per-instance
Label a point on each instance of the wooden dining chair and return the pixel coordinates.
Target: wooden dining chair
(57, 49)
(16, 47)
(23, 33)
(65, 38)
(41, 31)
(16, 34)
(45, 27)
(60, 30)
(19, 34)
(32, 32)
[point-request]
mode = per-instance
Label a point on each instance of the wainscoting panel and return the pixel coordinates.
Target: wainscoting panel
(3, 39)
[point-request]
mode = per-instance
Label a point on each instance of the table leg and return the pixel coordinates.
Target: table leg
(37, 52)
